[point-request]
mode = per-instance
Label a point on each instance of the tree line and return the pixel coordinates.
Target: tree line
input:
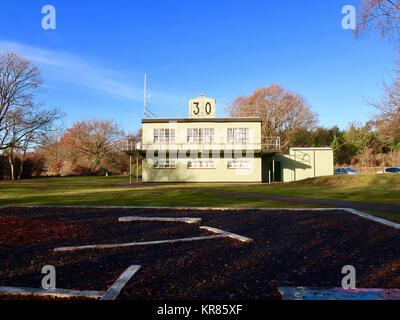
(89, 147)
(288, 115)
(33, 143)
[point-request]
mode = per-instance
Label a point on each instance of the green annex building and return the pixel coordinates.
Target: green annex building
(203, 148)
(297, 164)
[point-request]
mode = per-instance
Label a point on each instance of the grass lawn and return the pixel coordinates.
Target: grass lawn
(113, 191)
(376, 188)
(108, 191)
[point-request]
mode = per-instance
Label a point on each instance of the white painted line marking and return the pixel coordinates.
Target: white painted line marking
(220, 234)
(160, 219)
(135, 244)
(113, 292)
(57, 293)
(373, 218)
(228, 234)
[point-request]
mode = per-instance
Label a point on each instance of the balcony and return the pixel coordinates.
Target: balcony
(271, 144)
(268, 144)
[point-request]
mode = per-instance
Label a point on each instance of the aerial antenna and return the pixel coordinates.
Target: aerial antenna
(144, 100)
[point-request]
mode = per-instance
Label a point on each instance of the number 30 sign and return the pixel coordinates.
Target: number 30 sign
(202, 107)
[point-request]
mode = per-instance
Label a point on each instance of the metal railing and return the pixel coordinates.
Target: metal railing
(267, 144)
(129, 145)
(271, 143)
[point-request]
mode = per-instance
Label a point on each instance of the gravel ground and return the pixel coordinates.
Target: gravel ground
(289, 249)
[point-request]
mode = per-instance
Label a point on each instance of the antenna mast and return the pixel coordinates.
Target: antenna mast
(144, 100)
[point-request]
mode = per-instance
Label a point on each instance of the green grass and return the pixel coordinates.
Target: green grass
(377, 188)
(114, 191)
(102, 191)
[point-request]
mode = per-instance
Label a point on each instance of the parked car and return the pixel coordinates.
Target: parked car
(346, 171)
(390, 170)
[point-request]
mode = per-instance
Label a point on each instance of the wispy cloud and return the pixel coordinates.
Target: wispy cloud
(65, 67)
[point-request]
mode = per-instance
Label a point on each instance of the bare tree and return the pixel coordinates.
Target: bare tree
(282, 112)
(27, 129)
(388, 106)
(382, 16)
(36, 126)
(22, 122)
(19, 78)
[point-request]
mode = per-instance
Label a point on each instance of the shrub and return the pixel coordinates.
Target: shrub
(79, 170)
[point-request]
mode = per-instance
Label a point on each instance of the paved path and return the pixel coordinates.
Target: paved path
(388, 208)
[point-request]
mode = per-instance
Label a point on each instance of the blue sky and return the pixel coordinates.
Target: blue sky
(94, 62)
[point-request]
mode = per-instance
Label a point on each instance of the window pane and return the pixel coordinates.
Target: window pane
(201, 164)
(156, 135)
(238, 164)
(163, 164)
(238, 135)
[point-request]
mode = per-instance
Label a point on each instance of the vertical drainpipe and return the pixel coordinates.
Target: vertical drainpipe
(137, 169)
(314, 166)
(269, 172)
(273, 169)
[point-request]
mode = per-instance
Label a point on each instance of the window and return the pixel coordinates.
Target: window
(164, 135)
(238, 135)
(239, 164)
(207, 164)
(200, 135)
(165, 164)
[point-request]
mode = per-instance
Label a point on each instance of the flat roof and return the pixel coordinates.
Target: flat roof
(188, 120)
